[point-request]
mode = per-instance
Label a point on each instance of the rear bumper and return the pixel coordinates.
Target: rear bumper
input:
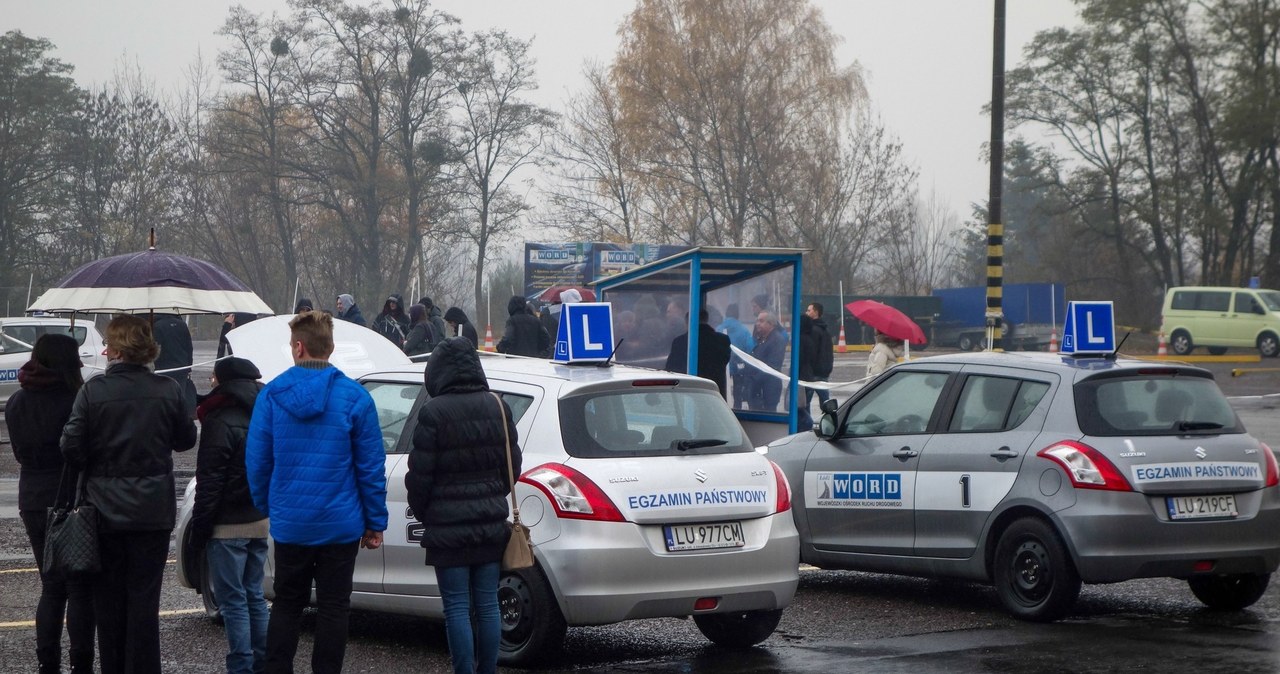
(1116, 536)
(607, 572)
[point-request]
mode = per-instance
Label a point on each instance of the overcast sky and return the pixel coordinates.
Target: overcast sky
(928, 62)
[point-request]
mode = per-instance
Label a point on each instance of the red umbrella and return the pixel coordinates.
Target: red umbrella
(552, 294)
(888, 320)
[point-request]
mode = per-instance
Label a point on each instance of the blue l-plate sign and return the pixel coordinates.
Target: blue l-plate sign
(586, 332)
(1090, 328)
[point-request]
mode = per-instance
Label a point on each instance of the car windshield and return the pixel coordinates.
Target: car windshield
(639, 422)
(16, 338)
(1154, 404)
(1271, 298)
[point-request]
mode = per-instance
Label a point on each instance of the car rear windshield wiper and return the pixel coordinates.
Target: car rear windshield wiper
(1197, 425)
(697, 443)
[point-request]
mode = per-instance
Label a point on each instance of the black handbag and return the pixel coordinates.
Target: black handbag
(71, 537)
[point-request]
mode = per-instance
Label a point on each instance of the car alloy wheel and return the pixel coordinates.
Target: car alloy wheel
(1180, 343)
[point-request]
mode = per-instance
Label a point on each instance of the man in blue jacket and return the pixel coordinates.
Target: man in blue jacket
(316, 467)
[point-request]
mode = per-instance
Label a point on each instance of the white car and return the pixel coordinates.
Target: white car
(642, 492)
(18, 334)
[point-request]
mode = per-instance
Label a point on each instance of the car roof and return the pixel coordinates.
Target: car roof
(1073, 368)
(572, 376)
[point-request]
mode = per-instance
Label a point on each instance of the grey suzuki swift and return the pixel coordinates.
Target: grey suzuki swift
(1036, 472)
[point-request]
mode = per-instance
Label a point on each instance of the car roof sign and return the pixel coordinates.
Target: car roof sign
(1090, 329)
(585, 334)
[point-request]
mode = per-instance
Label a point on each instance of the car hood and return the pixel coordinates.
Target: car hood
(357, 350)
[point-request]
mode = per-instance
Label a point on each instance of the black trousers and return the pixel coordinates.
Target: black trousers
(296, 567)
(126, 600)
(58, 598)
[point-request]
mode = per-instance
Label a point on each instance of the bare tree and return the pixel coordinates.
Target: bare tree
(501, 133)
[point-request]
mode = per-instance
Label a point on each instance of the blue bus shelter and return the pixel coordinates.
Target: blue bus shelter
(725, 282)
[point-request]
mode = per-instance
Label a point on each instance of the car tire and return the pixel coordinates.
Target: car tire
(1269, 345)
(966, 343)
(738, 629)
(532, 625)
(1230, 592)
(1033, 573)
(1217, 350)
(1180, 343)
(207, 597)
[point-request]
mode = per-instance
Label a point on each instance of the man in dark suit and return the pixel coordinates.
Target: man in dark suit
(713, 352)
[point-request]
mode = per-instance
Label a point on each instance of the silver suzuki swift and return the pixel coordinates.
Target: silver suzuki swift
(1037, 472)
(644, 499)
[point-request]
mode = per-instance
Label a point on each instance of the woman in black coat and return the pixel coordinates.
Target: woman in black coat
(35, 415)
(123, 429)
(458, 485)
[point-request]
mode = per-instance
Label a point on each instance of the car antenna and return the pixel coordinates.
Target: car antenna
(1112, 355)
(608, 361)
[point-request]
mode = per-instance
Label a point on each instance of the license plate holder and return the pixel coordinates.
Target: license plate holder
(703, 536)
(1210, 506)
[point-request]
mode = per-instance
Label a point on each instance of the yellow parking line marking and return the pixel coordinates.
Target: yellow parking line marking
(163, 614)
(35, 570)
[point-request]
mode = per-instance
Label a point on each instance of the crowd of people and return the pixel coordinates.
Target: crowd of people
(299, 460)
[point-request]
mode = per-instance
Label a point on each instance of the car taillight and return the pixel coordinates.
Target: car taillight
(783, 502)
(1085, 466)
(572, 494)
(1273, 471)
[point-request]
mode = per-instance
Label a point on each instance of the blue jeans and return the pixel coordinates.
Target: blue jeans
(466, 590)
(235, 574)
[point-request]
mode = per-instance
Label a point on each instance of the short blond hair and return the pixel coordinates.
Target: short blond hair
(315, 330)
(130, 336)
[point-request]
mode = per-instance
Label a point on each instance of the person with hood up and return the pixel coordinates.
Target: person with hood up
(348, 311)
(316, 466)
(523, 334)
(460, 325)
(304, 304)
(457, 486)
(35, 416)
(421, 336)
(438, 328)
(550, 316)
(124, 427)
(392, 322)
(224, 522)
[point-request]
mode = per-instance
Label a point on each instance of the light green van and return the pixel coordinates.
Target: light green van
(1218, 318)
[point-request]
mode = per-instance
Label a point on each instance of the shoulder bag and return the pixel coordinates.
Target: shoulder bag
(519, 552)
(71, 536)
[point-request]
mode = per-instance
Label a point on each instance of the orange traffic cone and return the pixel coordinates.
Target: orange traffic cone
(1053, 341)
(488, 337)
(1162, 349)
(840, 343)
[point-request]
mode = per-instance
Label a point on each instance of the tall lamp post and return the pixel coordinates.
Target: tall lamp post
(995, 228)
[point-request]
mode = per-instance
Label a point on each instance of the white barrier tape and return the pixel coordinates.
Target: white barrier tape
(767, 369)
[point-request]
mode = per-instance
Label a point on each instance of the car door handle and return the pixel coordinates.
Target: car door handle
(906, 453)
(1003, 453)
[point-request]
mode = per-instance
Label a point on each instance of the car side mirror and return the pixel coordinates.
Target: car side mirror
(829, 406)
(826, 427)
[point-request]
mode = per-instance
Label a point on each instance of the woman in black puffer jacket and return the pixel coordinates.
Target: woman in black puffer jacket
(457, 484)
(35, 415)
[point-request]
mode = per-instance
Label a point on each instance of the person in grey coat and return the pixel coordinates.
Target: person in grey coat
(348, 311)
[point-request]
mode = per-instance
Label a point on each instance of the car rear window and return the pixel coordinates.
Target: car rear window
(1153, 404)
(648, 422)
